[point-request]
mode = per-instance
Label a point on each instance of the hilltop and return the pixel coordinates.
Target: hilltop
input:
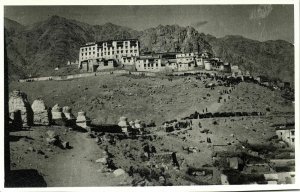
(39, 48)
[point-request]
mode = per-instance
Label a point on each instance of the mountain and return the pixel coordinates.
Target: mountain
(37, 49)
(12, 26)
(172, 38)
(109, 31)
(274, 59)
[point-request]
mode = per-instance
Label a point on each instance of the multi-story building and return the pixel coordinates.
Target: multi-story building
(149, 63)
(123, 51)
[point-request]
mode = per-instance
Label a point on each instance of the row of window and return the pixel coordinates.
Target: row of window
(150, 65)
(104, 49)
(117, 56)
(108, 53)
(185, 55)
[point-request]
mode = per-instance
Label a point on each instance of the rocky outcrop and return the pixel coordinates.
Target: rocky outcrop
(18, 101)
(40, 113)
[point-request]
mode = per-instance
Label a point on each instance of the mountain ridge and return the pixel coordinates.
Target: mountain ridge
(39, 48)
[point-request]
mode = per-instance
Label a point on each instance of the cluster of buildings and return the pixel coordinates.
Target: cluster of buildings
(255, 167)
(97, 56)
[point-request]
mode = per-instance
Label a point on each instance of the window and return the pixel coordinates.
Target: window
(97, 54)
(85, 53)
(89, 48)
(93, 52)
(280, 133)
(121, 51)
(293, 132)
(93, 48)
(81, 54)
(89, 53)
(293, 140)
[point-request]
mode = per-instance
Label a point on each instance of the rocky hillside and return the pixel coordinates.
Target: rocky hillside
(172, 38)
(274, 59)
(39, 48)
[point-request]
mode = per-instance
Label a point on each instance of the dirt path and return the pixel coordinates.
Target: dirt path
(77, 166)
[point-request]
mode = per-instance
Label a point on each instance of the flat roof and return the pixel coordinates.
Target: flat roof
(108, 41)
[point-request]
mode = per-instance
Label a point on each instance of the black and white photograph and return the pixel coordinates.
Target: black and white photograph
(150, 95)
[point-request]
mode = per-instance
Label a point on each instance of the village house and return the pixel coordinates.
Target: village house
(186, 61)
(122, 51)
(216, 64)
(149, 64)
(287, 134)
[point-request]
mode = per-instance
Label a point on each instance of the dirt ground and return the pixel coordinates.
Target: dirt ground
(106, 98)
(59, 167)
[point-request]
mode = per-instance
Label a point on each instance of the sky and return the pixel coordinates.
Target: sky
(259, 22)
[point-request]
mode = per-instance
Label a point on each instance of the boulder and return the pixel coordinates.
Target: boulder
(40, 113)
(51, 141)
(18, 101)
(65, 144)
(102, 160)
(119, 172)
(51, 134)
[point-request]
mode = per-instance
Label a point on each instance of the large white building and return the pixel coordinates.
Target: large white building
(123, 51)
